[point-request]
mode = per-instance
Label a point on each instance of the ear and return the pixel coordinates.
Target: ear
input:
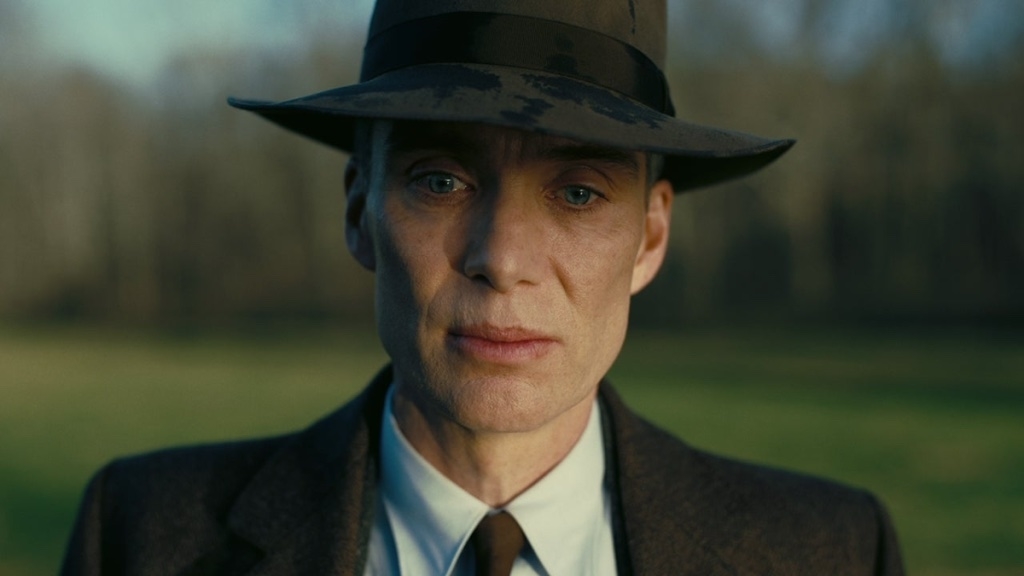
(655, 240)
(357, 233)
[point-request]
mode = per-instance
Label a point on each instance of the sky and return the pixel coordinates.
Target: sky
(134, 40)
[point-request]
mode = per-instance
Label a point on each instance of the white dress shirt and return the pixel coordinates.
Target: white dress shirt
(424, 520)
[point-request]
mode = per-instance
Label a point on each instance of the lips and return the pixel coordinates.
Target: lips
(501, 345)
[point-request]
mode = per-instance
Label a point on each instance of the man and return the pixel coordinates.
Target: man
(512, 175)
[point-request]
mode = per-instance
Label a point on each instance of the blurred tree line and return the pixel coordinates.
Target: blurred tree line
(902, 197)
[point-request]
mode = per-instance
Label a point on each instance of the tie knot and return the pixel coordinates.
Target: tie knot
(497, 541)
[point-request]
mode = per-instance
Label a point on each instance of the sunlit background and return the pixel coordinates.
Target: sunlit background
(173, 270)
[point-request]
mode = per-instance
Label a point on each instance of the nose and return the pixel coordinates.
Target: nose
(504, 240)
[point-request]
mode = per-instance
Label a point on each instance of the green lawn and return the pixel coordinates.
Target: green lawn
(932, 422)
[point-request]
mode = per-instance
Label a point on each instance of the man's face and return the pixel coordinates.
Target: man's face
(504, 262)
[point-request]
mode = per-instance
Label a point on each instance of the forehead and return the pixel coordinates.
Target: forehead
(480, 140)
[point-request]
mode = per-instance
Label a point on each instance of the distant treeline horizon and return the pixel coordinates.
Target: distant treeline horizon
(902, 198)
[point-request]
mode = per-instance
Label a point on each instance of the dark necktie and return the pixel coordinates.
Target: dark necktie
(497, 541)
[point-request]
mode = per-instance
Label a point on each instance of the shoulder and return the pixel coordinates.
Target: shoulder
(161, 508)
(136, 501)
(223, 504)
(741, 515)
(750, 486)
(744, 491)
(212, 476)
(203, 473)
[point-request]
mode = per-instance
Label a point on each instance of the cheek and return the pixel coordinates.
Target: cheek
(606, 298)
(598, 287)
(410, 273)
(398, 277)
(601, 308)
(400, 243)
(599, 275)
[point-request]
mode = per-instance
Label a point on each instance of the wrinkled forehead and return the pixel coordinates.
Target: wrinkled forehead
(393, 138)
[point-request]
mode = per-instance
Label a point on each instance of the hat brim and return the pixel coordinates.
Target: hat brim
(695, 155)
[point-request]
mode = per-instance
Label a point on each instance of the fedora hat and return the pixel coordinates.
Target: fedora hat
(587, 70)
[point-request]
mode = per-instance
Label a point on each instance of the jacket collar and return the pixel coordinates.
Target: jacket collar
(310, 508)
(661, 502)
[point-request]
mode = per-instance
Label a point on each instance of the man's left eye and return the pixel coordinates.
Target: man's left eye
(578, 196)
(442, 183)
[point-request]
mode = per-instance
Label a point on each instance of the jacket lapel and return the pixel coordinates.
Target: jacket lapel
(310, 508)
(659, 498)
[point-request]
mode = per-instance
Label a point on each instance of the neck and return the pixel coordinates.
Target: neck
(494, 467)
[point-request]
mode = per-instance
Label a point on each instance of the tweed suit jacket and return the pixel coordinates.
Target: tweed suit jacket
(304, 504)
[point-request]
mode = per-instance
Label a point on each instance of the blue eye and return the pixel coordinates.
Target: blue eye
(578, 196)
(440, 183)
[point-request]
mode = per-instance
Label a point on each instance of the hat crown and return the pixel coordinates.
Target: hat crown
(638, 23)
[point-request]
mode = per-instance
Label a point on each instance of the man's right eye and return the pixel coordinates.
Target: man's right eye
(441, 183)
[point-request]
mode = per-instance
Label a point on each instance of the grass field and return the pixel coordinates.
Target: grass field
(933, 422)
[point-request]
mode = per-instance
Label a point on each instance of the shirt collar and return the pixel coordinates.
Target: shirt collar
(432, 518)
(563, 513)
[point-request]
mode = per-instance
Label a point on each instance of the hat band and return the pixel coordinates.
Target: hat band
(520, 42)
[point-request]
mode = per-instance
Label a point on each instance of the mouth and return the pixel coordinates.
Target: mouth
(500, 345)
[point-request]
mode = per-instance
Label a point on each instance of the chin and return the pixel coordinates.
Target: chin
(501, 419)
(507, 403)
